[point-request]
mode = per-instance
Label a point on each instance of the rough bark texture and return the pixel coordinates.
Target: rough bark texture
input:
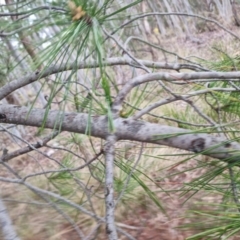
(126, 129)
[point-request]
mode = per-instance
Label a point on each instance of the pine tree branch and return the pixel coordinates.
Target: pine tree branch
(125, 129)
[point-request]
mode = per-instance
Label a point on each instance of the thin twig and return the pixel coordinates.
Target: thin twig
(109, 191)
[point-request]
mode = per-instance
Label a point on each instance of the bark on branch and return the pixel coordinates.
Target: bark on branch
(125, 129)
(173, 77)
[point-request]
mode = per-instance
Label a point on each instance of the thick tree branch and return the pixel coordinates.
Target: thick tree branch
(18, 83)
(125, 129)
(185, 77)
(173, 77)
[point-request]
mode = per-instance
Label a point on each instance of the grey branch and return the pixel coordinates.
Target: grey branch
(109, 193)
(6, 157)
(165, 76)
(18, 83)
(125, 129)
(176, 77)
